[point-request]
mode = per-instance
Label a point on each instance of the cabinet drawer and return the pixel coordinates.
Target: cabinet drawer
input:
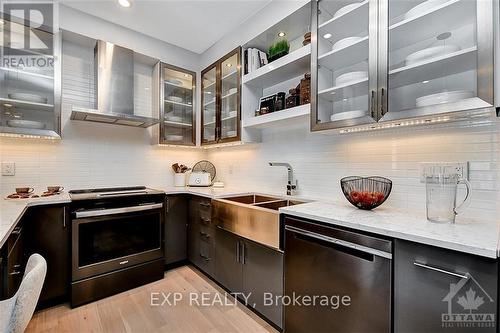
(15, 266)
(431, 285)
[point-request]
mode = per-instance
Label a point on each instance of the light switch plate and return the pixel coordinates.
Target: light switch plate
(8, 169)
(460, 168)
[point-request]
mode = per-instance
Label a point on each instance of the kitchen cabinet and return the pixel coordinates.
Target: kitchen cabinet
(200, 235)
(176, 223)
(432, 284)
(177, 106)
(221, 100)
(376, 61)
(30, 98)
(47, 231)
(15, 260)
(245, 266)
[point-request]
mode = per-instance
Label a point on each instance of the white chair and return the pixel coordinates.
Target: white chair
(16, 312)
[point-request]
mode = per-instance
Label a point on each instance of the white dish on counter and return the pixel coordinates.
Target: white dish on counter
(346, 9)
(444, 97)
(25, 97)
(430, 52)
(344, 79)
(348, 115)
(172, 137)
(423, 7)
(345, 42)
(25, 124)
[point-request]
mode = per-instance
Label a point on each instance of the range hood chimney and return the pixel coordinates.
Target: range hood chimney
(114, 71)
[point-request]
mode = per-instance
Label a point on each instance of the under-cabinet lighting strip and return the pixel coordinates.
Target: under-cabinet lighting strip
(28, 136)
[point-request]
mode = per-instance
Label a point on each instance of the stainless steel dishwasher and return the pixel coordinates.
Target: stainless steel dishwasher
(331, 265)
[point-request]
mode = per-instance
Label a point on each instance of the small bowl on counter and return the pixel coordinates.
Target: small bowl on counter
(366, 192)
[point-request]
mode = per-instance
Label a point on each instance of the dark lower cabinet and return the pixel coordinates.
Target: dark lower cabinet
(176, 223)
(15, 260)
(243, 266)
(47, 230)
(201, 235)
(438, 290)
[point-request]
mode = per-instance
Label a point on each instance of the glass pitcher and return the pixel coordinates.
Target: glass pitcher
(442, 197)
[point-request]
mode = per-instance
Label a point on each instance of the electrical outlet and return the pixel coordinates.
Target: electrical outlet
(8, 169)
(460, 168)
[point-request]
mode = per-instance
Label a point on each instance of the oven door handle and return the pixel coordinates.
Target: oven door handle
(113, 211)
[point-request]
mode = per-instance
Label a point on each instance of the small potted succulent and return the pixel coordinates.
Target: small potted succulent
(180, 174)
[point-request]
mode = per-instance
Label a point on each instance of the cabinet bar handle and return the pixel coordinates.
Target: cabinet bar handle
(373, 104)
(435, 269)
(15, 273)
(205, 204)
(244, 256)
(205, 220)
(204, 257)
(64, 217)
(238, 251)
(382, 102)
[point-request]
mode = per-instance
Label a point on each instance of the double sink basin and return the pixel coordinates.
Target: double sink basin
(253, 216)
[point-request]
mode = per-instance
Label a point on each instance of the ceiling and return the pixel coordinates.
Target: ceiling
(193, 25)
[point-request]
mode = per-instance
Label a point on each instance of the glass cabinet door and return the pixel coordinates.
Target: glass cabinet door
(344, 72)
(178, 123)
(209, 105)
(230, 100)
(29, 104)
(439, 57)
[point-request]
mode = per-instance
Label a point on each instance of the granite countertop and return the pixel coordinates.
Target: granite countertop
(11, 211)
(466, 235)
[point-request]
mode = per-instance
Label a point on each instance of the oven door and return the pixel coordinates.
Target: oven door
(104, 240)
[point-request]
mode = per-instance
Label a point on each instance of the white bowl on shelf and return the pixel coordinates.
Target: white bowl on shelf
(423, 7)
(348, 115)
(26, 97)
(346, 9)
(345, 42)
(429, 53)
(344, 79)
(25, 124)
(172, 137)
(443, 97)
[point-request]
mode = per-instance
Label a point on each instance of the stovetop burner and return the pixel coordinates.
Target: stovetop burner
(109, 192)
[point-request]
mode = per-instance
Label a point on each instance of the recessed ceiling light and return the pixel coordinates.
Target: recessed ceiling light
(281, 34)
(229, 64)
(327, 35)
(425, 81)
(125, 3)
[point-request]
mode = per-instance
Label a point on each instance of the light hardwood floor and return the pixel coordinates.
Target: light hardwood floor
(131, 311)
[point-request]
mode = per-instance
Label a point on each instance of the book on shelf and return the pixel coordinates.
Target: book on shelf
(253, 59)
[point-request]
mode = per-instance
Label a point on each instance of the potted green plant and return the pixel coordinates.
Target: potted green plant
(278, 50)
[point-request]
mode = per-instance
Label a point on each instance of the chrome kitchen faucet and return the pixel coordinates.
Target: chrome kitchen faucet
(291, 184)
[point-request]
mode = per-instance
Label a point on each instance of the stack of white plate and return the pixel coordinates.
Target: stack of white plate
(348, 115)
(346, 9)
(346, 78)
(345, 42)
(423, 7)
(444, 97)
(430, 53)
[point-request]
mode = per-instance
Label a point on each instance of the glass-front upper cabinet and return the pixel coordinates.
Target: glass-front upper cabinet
(344, 63)
(30, 81)
(221, 100)
(177, 125)
(439, 57)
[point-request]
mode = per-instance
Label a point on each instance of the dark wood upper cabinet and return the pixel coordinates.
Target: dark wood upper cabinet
(221, 100)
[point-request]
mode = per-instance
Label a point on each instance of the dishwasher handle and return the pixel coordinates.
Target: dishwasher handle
(112, 211)
(339, 242)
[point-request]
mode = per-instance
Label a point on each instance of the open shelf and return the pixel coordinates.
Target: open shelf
(456, 62)
(209, 103)
(25, 104)
(178, 103)
(282, 69)
(27, 74)
(229, 95)
(176, 86)
(427, 24)
(348, 55)
(347, 24)
(277, 118)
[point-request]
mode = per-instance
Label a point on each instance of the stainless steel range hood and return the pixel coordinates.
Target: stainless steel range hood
(114, 73)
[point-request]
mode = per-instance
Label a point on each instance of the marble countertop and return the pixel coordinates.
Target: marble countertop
(12, 210)
(470, 236)
(465, 235)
